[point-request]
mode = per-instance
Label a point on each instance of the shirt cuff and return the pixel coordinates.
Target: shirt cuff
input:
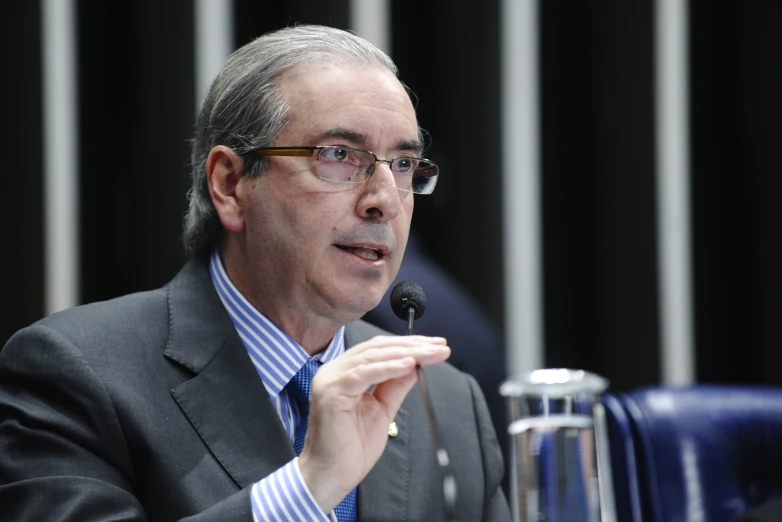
(283, 495)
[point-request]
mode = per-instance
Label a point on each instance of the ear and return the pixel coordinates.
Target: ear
(223, 173)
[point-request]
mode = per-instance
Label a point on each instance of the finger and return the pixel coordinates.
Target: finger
(356, 380)
(425, 352)
(380, 341)
(391, 393)
(433, 356)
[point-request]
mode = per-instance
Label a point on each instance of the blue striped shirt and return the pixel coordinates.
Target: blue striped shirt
(283, 495)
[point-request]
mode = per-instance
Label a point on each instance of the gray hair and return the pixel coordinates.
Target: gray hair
(245, 110)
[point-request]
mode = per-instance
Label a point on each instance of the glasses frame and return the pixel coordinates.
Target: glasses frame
(314, 152)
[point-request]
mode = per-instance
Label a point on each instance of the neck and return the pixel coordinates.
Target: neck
(310, 330)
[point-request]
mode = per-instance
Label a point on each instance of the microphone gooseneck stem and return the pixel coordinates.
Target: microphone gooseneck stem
(444, 463)
(408, 302)
(449, 483)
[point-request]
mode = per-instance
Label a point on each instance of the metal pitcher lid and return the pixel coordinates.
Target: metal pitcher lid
(554, 382)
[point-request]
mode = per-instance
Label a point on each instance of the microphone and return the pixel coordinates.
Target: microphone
(408, 302)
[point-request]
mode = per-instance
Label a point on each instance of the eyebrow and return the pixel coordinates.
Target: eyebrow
(361, 139)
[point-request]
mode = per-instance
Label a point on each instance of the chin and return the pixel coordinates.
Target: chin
(360, 301)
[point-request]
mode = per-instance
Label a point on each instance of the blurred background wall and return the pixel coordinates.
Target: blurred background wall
(601, 305)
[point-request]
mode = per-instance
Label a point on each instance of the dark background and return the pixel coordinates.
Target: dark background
(136, 109)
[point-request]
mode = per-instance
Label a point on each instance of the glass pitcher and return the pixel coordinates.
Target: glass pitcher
(560, 464)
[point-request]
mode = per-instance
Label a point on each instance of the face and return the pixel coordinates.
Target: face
(314, 247)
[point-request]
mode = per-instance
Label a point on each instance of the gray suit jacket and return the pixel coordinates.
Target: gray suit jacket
(147, 407)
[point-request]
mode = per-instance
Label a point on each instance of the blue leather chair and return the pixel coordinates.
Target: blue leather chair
(701, 453)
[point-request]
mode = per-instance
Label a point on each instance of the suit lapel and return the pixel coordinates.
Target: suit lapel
(384, 492)
(228, 406)
(230, 409)
(225, 401)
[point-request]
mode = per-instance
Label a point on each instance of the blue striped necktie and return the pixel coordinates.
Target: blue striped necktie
(300, 389)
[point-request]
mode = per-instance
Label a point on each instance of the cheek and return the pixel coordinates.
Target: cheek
(272, 219)
(308, 220)
(402, 222)
(401, 227)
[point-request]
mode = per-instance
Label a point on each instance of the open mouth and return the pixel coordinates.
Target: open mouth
(372, 254)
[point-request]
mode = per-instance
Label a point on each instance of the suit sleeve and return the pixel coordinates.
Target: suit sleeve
(496, 506)
(63, 453)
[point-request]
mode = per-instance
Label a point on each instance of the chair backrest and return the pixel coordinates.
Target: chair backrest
(701, 453)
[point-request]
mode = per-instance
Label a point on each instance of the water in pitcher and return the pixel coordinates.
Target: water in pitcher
(556, 470)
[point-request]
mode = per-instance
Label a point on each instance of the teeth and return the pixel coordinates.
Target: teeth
(366, 253)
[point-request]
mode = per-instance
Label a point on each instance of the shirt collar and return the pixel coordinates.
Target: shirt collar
(276, 356)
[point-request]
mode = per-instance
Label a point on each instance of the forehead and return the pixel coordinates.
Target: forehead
(368, 101)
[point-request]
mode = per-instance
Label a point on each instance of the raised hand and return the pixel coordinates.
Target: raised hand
(348, 425)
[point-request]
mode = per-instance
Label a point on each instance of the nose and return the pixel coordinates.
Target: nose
(380, 199)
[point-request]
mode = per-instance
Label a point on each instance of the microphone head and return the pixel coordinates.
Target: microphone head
(406, 295)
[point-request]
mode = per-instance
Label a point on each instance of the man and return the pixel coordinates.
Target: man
(191, 401)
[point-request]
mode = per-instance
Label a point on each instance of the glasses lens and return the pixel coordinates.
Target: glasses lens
(415, 174)
(347, 165)
(424, 177)
(344, 164)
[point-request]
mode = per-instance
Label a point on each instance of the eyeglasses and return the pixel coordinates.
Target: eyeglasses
(348, 165)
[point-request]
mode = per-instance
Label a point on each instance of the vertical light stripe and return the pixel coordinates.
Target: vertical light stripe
(214, 41)
(521, 188)
(673, 192)
(371, 20)
(60, 162)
